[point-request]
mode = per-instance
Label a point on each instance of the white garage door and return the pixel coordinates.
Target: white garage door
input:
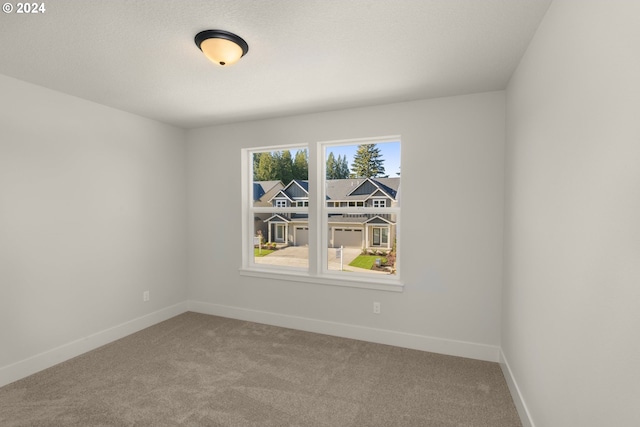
(302, 236)
(347, 237)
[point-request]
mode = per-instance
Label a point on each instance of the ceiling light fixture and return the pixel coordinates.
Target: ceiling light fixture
(221, 47)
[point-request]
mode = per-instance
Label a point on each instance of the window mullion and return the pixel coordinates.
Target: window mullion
(246, 171)
(315, 208)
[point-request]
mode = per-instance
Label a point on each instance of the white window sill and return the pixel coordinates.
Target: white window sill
(330, 280)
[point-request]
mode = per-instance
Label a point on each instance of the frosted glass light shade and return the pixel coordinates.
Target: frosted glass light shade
(221, 51)
(221, 47)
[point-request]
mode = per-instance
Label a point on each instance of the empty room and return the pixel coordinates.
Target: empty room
(320, 213)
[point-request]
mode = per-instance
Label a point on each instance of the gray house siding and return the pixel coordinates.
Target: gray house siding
(346, 229)
(294, 191)
(364, 189)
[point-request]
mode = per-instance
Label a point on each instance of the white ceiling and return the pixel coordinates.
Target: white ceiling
(304, 55)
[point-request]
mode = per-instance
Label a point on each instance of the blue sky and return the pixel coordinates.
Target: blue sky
(390, 153)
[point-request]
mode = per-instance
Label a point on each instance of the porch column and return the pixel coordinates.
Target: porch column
(366, 236)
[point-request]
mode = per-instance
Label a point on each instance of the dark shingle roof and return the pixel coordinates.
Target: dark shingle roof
(260, 188)
(339, 189)
(389, 185)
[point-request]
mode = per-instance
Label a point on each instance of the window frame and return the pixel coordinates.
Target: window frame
(381, 202)
(383, 238)
(318, 213)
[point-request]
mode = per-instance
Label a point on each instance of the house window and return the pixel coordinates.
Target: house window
(380, 236)
(330, 233)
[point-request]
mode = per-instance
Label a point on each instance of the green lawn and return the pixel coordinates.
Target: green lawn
(257, 252)
(367, 261)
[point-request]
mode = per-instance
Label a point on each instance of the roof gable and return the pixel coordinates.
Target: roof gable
(297, 189)
(388, 185)
(366, 187)
(260, 188)
(281, 195)
(348, 189)
(276, 218)
(375, 185)
(378, 220)
(379, 193)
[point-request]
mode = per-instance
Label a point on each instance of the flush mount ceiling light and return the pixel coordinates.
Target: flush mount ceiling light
(221, 47)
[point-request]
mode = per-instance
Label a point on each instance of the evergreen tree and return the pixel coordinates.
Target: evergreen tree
(285, 167)
(337, 167)
(343, 167)
(332, 166)
(301, 165)
(367, 162)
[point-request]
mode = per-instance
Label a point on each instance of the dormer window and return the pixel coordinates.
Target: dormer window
(281, 203)
(379, 203)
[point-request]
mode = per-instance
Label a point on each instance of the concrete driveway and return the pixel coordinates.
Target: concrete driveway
(298, 256)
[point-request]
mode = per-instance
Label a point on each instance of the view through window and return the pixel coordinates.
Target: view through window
(362, 183)
(358, 208)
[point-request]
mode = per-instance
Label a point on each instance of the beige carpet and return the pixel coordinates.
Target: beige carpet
(200, 370)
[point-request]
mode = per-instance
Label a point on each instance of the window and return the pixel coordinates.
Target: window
(337, 217)
(380, 236)
(272, 179)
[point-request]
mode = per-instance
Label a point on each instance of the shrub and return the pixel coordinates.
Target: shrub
(391, 258)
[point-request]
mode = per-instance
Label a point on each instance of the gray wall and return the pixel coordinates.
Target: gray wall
(571, 323)
(452, 195)
(92, 213)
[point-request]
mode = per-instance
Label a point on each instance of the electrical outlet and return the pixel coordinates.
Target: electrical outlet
(145, 296)
(376, 308)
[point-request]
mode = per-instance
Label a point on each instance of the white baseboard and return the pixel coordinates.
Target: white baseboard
(518, 400)
(31, 365)
(382, 336)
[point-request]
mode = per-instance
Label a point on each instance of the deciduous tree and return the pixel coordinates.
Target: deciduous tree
(267, 169)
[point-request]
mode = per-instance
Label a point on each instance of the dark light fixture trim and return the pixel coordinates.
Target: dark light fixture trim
(221, 34)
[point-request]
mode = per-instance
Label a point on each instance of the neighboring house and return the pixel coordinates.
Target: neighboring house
(367, 231)
(263, 192)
